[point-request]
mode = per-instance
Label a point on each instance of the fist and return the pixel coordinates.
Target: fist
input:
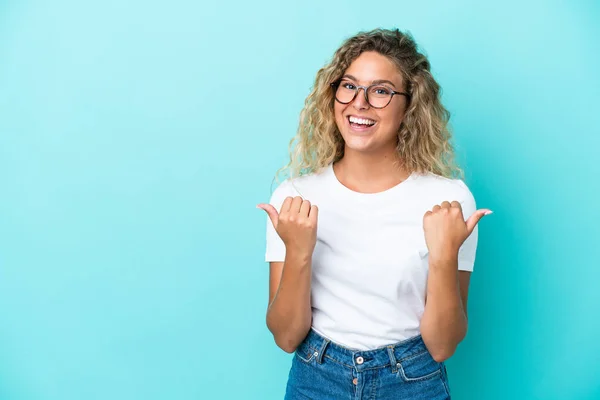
(446, 229)
(296, 224)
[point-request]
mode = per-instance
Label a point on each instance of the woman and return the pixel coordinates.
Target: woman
(374, 300)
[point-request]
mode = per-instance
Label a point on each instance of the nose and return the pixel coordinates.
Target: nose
(360, 101)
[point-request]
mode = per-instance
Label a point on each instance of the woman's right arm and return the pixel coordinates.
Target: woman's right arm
(289, 314)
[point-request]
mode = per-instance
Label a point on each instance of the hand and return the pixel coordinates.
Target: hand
(296, 224)
(446, 230)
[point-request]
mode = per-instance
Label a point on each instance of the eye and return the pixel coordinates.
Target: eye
(348, 85)
(381, 90)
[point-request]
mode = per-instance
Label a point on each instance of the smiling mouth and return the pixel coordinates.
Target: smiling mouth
(360, 124)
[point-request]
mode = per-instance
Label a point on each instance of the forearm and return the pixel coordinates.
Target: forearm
(444, 321)
(289, 316)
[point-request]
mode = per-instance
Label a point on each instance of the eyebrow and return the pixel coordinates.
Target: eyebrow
(375, 82)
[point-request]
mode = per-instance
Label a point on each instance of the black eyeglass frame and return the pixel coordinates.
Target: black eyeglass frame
(336, 84)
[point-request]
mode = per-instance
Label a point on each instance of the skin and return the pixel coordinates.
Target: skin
(368, 162)
(289, 315)
(368, 166)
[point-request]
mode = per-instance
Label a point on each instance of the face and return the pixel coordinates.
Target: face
(382, 135)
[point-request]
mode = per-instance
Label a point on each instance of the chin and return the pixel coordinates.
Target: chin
(359, 144)
(368, 144)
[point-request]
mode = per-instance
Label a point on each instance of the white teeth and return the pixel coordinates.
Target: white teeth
(361, 121)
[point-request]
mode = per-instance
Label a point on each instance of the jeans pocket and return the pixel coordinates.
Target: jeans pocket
(419, 367)
(305, 353)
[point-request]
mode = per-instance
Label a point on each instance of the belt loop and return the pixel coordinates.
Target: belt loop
(322, 350)
(393, 363)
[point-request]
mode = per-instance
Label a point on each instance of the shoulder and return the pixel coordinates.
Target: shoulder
(299, 186)
(445, 189)
(283, 190)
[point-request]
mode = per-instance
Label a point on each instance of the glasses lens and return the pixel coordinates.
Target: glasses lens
(345, 92)
(379, 96)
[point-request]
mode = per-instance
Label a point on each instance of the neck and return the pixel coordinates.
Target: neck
(370, 172)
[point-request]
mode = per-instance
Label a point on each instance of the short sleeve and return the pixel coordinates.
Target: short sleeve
(275, 248)
(468, 250)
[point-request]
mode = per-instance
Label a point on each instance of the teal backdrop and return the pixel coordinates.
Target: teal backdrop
(137, 137)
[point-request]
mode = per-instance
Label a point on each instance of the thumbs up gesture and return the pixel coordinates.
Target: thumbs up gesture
(296, 224)
(446, 229)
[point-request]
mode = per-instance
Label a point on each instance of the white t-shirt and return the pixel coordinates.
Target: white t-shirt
(370, 263)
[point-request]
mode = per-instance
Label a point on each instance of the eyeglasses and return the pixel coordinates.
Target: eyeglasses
(378, 96)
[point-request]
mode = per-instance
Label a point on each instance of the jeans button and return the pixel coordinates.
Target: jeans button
(360, 360)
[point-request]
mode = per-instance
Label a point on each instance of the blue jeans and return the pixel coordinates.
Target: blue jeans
(323, 370)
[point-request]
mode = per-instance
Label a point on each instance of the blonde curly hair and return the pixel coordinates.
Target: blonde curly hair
(424, 138)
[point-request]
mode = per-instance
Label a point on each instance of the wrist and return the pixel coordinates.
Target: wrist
(298, 256)
(444, 259)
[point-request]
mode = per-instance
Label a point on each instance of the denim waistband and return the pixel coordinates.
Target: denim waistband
(315, 345)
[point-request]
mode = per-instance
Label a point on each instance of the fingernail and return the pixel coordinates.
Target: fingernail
(488, 212)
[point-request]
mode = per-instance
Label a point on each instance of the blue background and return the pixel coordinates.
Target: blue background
(136, 140)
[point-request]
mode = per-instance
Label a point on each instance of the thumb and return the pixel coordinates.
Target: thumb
(475, 218)
(271, 211)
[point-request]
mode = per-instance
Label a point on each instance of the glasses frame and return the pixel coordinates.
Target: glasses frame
(335, 85)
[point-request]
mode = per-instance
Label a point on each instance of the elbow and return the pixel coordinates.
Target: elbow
(442, 347)
(285, 340)
(288, 335)
(442, 355)
(440, 350)
(286, 345)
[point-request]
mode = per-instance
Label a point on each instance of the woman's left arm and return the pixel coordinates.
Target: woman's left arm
(444, 321)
